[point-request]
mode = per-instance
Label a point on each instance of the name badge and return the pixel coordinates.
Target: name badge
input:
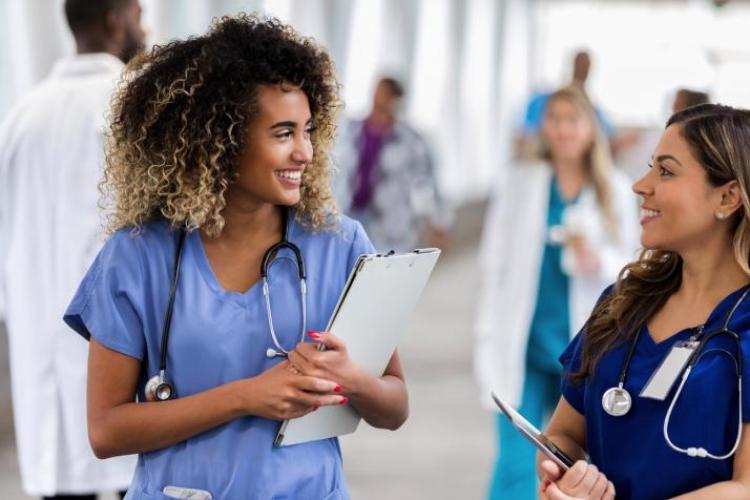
(662, 380)
(189, 493)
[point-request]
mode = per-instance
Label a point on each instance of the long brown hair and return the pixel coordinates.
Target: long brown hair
(719, 138)
(598, 160)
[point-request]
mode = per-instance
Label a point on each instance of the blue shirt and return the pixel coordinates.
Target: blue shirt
(631, 449)
(550, 325)
(217, 337)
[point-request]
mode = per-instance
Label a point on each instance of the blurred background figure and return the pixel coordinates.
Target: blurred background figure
(556, 234)
(534, 115)
(634, 162)
(51, 159)
(686, 98)
(387, 178)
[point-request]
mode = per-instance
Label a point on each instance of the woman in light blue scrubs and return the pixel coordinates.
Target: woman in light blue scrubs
(224, 136)
(691, 279)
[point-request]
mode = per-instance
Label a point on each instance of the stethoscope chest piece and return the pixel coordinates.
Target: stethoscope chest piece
(158, 389)
(616, 401)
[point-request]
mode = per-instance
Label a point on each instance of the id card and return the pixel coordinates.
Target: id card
(662, 380)
(186, 493)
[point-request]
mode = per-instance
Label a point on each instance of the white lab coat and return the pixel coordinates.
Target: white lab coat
(51, 159)
(515, 231)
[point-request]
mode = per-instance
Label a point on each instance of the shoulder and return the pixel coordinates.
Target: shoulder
(343, 234)
(137, 245)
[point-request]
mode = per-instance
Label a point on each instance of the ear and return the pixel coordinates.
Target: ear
(731, 198)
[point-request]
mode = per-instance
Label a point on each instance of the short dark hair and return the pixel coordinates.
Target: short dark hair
(83, 14)
(393, 85)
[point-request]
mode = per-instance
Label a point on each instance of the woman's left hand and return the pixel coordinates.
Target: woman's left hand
(333, 363)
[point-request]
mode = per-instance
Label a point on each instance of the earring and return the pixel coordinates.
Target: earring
(720, 215)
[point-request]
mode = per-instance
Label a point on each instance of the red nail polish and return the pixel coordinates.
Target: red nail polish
(343, 400)
(314, 335)
(337, 388)
(315, 408)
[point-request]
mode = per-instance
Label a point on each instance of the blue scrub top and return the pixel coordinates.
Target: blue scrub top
(550, 325)
(217, 337)
(631, 449)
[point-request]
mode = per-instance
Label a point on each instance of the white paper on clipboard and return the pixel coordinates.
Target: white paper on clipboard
(371, 317)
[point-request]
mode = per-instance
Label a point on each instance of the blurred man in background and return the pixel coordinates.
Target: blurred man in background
(51, 159)
(387, 177)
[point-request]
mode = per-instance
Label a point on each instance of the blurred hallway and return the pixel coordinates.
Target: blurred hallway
(444, 450)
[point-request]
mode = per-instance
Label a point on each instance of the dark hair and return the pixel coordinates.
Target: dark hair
(393, 85)
(181, 114)
(83, 14)
(719, 138)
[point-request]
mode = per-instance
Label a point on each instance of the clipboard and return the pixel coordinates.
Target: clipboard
(371, 317)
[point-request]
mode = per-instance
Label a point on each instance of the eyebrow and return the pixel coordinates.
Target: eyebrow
(668, 157)
(288, 124)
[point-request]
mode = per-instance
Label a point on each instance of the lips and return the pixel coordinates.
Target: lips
(649, 214)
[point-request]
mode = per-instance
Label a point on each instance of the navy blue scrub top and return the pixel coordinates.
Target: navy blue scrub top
(631, 450)
(218, 336)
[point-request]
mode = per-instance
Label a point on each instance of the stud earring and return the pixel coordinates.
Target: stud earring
(720, 215)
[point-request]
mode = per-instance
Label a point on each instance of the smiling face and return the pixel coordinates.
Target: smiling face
(278, 149)
(680, 206)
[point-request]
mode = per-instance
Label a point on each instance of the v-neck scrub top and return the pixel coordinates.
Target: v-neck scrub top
(631, 450)
(218, 336)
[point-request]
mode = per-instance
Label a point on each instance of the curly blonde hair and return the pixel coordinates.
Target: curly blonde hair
(180, 116)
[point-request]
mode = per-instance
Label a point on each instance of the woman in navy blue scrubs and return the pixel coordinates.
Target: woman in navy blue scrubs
(692, 273)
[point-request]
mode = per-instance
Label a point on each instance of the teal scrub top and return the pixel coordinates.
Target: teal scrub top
(550, 325)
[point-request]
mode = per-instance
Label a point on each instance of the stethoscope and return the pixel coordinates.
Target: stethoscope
(617, 402)
(158, 388)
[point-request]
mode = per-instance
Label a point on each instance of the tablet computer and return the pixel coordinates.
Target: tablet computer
(532, 434)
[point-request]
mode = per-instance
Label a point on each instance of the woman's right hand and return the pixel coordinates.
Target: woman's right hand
(583, 481)
(282, 392)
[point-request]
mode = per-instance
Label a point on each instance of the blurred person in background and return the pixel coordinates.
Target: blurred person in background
(218, 168)
(387, 177)
(686, 292)
(51, 160)
(556, 233)
(632, 161)
(525, 143)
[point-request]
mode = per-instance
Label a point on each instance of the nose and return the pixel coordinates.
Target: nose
(643, 186)
(303, 150)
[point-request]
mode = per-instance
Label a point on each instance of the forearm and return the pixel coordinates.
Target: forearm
(726, 490)
(382, 401)
(141, 427)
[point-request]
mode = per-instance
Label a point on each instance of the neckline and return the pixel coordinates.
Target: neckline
(717, 315)
(204, 266)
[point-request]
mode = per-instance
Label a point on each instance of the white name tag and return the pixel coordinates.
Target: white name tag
(190, 493)
(662, 380)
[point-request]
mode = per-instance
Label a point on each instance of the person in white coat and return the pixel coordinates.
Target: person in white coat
(51, 160)
(557, 232)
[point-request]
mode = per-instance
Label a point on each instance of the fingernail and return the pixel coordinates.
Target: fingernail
(343, 401)
(315, 408)
(337, 388)
(314, 335)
